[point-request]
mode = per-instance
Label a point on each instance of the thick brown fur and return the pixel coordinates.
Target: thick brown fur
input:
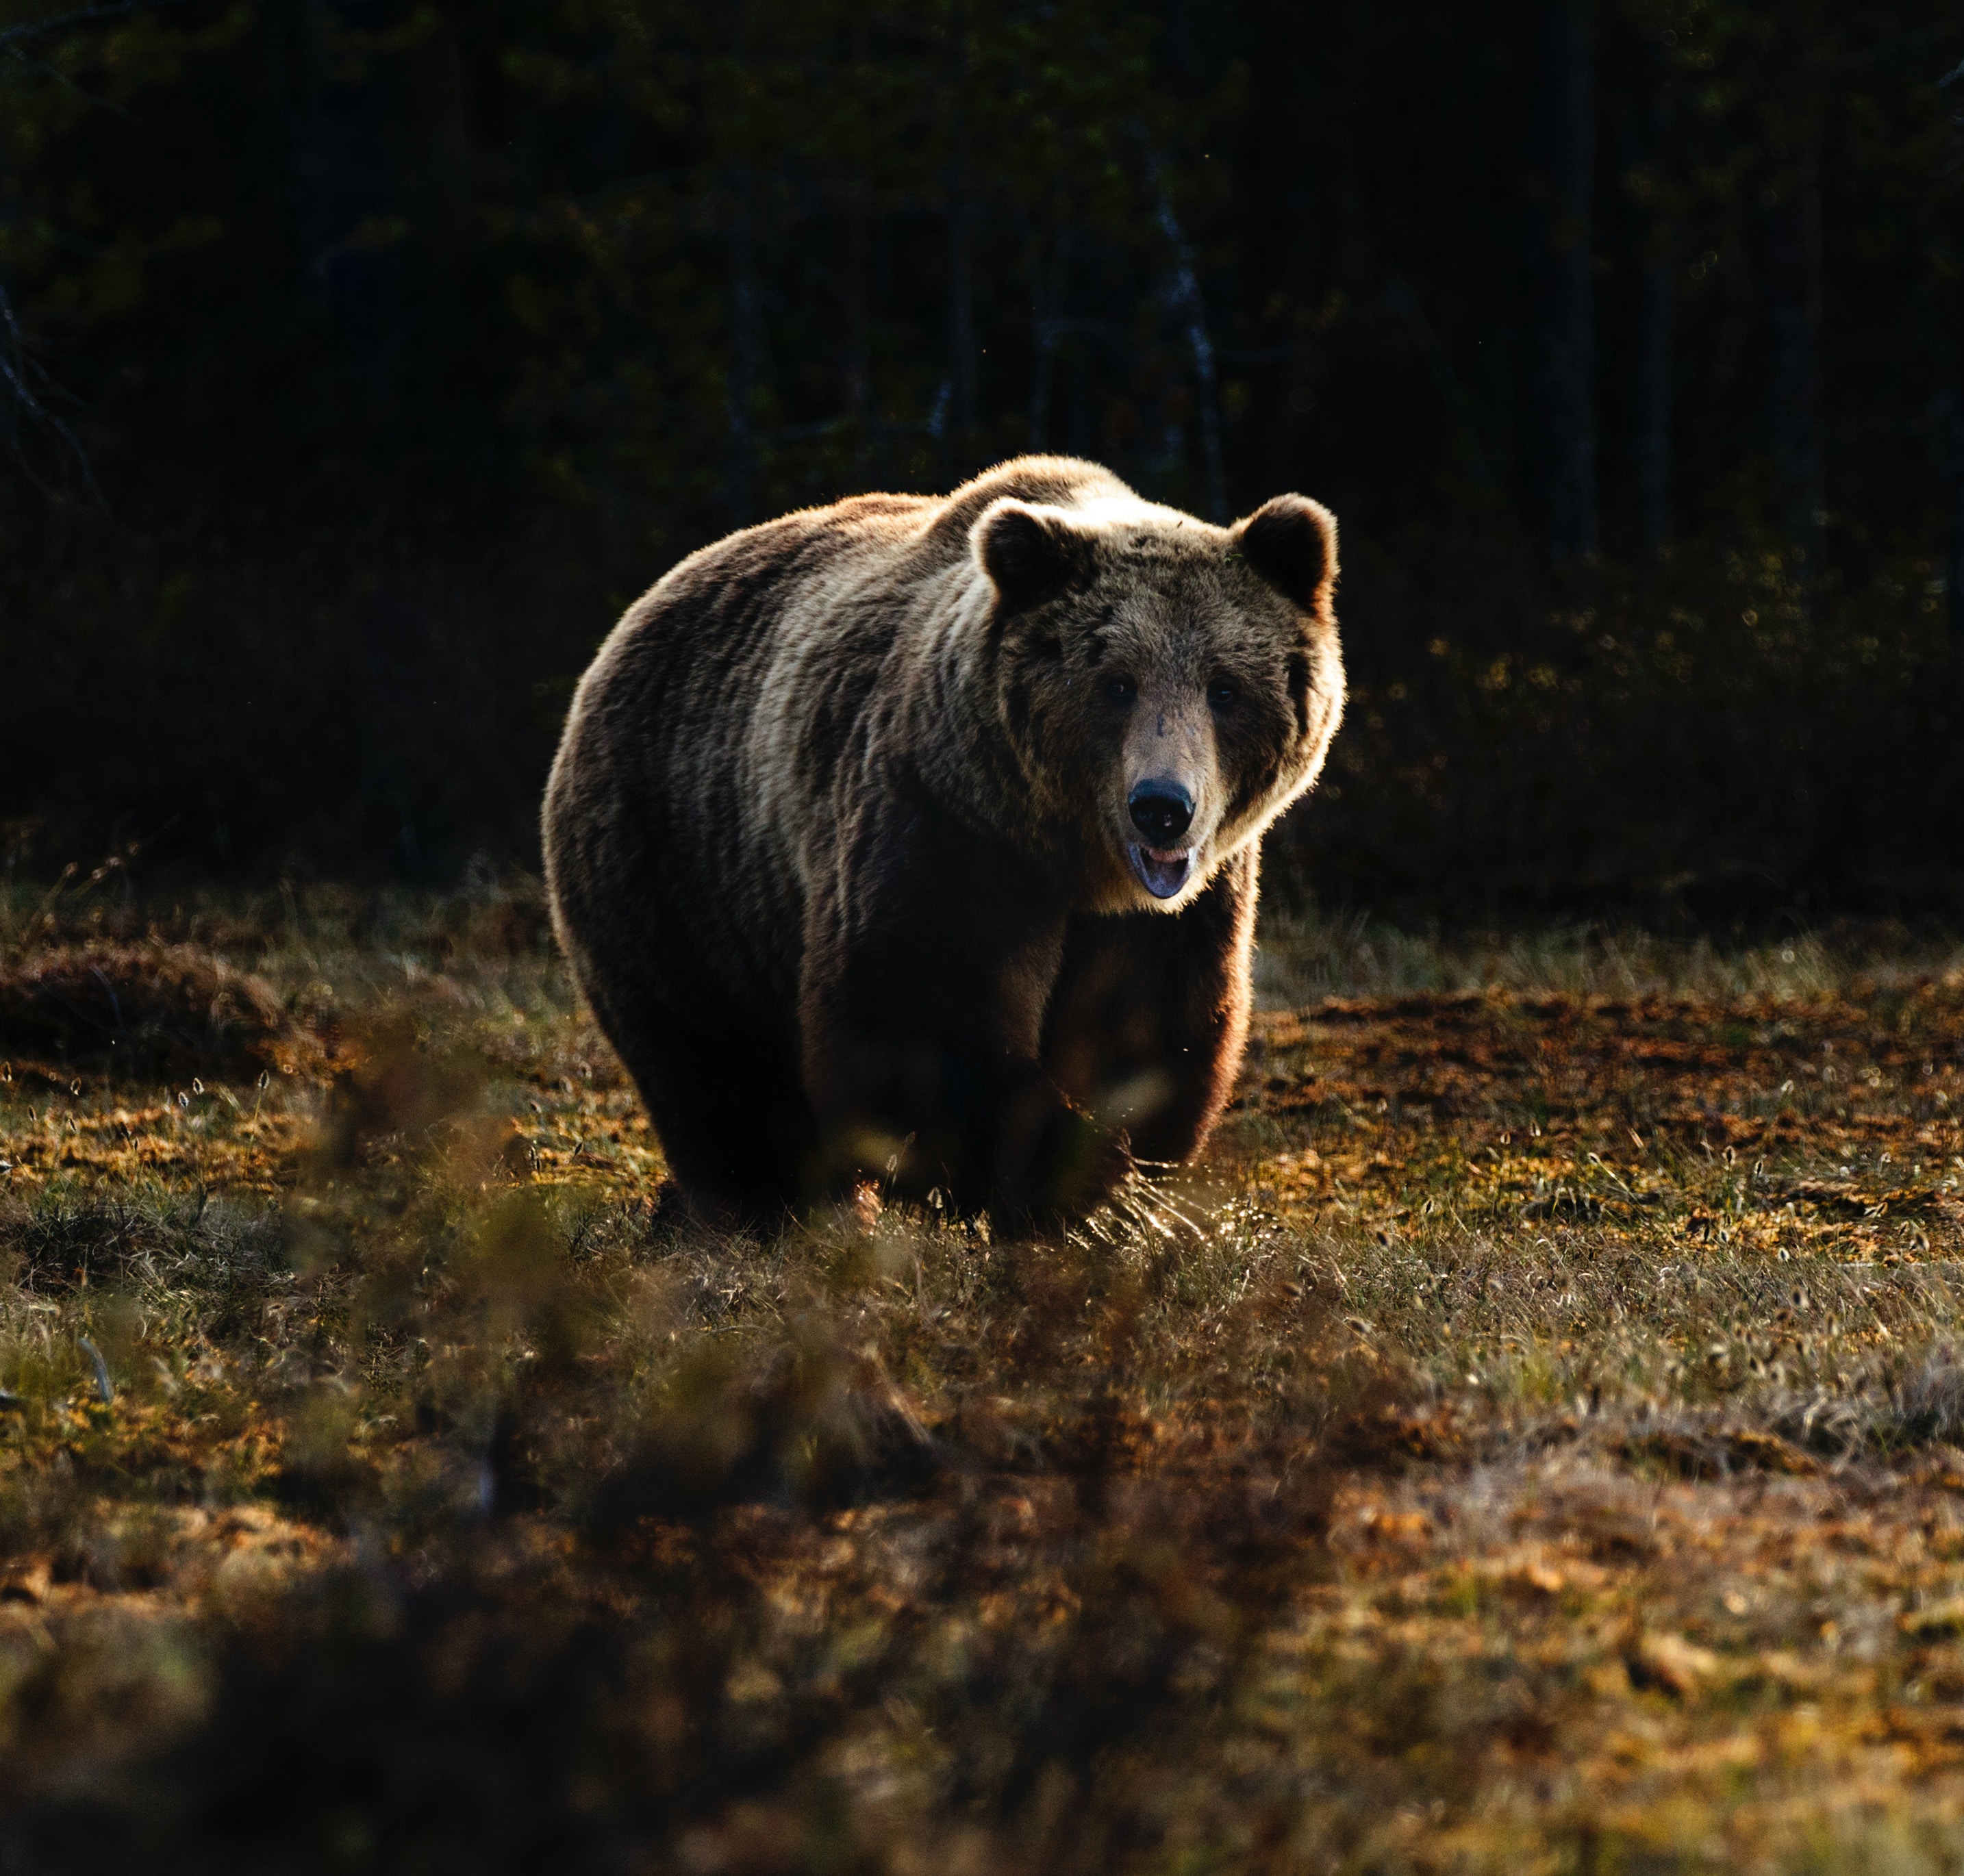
(842, 846)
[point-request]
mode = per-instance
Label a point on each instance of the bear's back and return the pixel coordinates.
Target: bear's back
(672, 802)
(700, 753)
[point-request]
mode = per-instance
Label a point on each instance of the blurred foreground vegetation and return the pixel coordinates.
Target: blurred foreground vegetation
(1533, 1439)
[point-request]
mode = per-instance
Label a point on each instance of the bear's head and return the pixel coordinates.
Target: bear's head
(1167, 688)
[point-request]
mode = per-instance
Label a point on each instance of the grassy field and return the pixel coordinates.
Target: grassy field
(1533, 1441)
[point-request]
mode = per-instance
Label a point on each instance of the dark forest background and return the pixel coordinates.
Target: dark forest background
(359, 360)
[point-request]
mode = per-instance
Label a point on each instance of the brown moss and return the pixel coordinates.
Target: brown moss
(146, 1010)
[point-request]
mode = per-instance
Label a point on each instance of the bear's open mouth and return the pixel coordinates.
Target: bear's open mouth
(1162, 874)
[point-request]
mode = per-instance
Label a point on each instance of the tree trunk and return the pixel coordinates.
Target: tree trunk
(1953, 567)
(1953, 557)
(1653, 433)
(1953, 546)
(1794, 426)
(747, 349)
(292, 92)
(856, 346)
(1559, 443)
(1657, 275)
(1183, 293)
(1320, 58)
(1045, 330)
(16, 399)
(961, 269)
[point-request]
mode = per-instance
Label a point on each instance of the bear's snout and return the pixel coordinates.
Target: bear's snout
(1162, 810)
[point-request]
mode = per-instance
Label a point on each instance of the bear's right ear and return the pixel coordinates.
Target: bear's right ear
(1030, 552)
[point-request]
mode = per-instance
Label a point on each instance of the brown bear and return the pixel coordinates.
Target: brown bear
(916, 838)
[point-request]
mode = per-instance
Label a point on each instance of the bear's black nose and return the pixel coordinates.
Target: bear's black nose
(1162, 811)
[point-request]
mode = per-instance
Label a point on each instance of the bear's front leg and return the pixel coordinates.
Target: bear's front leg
(929, 955)
(1150, 1014)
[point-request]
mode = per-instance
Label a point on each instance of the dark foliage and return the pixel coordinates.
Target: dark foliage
(360, 360)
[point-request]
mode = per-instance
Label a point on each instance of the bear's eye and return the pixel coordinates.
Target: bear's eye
(1222, 695)
(1121, 690)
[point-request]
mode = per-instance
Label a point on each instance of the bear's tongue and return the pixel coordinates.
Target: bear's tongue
(1163, 873)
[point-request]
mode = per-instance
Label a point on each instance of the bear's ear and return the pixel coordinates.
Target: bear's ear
(1030, 552)
(1291, 543)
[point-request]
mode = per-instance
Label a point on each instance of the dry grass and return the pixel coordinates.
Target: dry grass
(1533, 1441)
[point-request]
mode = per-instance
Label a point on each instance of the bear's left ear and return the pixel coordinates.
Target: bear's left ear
(1291, 543)
(1030, 552)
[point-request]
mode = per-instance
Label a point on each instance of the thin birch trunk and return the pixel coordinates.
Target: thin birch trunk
(1184, 294)
(962, 373)
(1794, 387)
(1046, 329)
(745, 373)
(1953, 568)
(1656, 281)
(1559, 445)
(856, 363)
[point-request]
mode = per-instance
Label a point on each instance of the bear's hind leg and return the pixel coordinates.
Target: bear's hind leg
(1145, 1026)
